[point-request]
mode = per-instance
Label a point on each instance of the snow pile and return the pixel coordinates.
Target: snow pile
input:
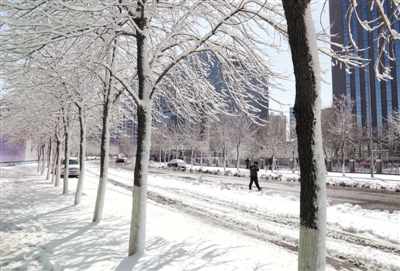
(363, 182)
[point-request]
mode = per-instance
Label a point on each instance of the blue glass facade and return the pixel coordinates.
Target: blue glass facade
(360, 82)
(216, 79)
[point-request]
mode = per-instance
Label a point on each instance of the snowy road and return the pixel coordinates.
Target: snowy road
(274, 218)
(371, 199)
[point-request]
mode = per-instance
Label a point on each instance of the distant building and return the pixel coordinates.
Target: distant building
(385, 95)
(292, 123)
(20, 153)
(216, 79)
(278, 122)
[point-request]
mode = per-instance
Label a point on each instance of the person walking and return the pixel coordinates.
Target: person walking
(247, 163)
(254, 176)
(271, 164)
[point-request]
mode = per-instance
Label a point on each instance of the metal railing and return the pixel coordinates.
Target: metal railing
(15, 163)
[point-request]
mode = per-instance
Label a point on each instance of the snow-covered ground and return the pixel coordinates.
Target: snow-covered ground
(203, 227)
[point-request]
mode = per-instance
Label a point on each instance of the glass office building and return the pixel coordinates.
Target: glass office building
(385, 95)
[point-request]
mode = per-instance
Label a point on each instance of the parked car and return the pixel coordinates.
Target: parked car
(176, 163)
(119, 160)
(73, 167)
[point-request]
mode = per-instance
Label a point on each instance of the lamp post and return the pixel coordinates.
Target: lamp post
(370, 125)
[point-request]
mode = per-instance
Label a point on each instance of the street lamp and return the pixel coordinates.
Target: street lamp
(370, 124)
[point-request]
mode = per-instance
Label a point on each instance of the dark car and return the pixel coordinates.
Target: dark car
(119, 160)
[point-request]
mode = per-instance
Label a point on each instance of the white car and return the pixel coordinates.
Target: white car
(73, 167)
(176, 163)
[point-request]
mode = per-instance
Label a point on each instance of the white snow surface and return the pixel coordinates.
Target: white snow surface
(41, 229)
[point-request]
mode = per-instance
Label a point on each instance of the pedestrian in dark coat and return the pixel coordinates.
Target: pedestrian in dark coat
(254, 176)
(270, 163)
(247, 163)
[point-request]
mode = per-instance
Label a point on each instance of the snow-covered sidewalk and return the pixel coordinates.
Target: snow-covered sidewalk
(42, 230)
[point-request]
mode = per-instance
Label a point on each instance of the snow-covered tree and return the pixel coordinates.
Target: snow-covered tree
(343, 128)
(193, 138)
(384, 23)
(330, 144)
(220, 136)
(273, 138)
(162, 50)
(241, 132)
(394, 132)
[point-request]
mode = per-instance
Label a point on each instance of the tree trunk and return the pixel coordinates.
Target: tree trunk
(43, 159)
(225, 153)
(343, 163)
(191, 158)
(82, 152)
(49, 156)
(307, 109)
(104, 161)
(54, 158)
(201, 159)
(58, 171)
(139, 194)
(66, 160)
(105, 141)
(39, 156)
(237, 157)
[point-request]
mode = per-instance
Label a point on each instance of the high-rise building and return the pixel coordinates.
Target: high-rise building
(216, 79)
(292, 122)
(361, 84)
(278, 123)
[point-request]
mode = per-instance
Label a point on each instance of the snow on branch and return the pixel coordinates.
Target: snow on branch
(384, 24)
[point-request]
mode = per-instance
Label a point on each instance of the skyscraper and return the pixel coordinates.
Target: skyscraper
(362, 83)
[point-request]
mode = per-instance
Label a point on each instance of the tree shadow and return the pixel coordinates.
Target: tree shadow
(188, 255)
(50, 246)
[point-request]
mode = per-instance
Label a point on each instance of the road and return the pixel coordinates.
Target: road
(260, 225)
(367, 198)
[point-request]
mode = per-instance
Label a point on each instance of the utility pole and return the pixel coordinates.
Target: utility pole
(370, 125)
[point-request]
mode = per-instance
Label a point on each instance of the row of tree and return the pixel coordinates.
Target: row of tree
(344, 138)
(69, 63)
(234, 138)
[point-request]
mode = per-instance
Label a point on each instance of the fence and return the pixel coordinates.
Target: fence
(381, 166)
(385, 165)
(14, 163)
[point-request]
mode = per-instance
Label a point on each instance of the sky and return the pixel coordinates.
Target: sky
(284, 63)
(42, 230)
